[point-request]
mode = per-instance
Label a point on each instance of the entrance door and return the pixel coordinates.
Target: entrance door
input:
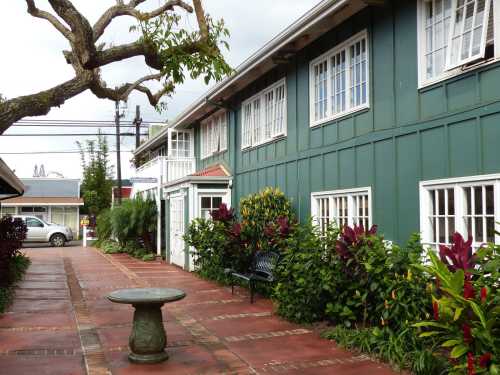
(177, 254)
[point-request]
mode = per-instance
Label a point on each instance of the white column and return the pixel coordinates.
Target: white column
(158, 206)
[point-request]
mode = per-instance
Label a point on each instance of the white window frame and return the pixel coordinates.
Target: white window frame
(458, 185)
(450, 71)
(213, 133)
(224, 194)
(351, 195)
(327, 56)
(248, 129)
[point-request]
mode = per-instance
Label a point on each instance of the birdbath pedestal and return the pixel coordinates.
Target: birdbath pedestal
(148, 338)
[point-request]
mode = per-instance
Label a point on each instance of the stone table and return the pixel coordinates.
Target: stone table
(148, 338)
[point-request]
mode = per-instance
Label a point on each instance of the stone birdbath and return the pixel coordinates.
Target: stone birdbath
(148, 338)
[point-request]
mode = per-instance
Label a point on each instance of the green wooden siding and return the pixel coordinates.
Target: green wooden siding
(407, 135)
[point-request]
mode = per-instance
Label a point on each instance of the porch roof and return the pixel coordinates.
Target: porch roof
(10, 185)
(217, 170)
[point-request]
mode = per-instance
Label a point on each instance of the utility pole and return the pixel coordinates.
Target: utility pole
(118, 158)
(137, 123)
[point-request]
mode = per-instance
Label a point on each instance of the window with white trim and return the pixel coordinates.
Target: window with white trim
(454, 34)
(264, 116)
(214, 134)
(208, 204)
(339, 80)
(342, 207)
(464, 205)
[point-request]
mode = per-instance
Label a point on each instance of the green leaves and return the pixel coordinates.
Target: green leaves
(458, 351)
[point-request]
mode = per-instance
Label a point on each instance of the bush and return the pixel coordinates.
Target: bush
(13, 263)
(300, 293)
(223, 242)
(401, 349)
(132, 224)
(466, 317)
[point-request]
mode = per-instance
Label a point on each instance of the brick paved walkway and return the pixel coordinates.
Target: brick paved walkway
(60, 324)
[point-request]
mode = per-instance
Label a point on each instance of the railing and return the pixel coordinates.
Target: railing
(166, 169)
(176, 168)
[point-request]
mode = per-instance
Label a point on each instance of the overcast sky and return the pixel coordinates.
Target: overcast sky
(32, 61)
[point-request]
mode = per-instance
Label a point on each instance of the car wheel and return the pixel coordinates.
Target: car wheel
(58, 240)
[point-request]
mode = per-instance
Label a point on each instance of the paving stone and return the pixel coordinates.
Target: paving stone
(210, 332)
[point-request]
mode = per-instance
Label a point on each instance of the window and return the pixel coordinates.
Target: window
(464, 205)
(33, 223)
(453, 34)
(214, 134)
(264, 116)
(181, 144)
(339, 80)
(209, 204)
(342, 207)
(7, 211)
(40, 212)
(67, 216)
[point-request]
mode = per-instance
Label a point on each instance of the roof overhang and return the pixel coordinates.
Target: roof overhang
(43, 201)
(10, 185)
(197, 180)
(316, 22)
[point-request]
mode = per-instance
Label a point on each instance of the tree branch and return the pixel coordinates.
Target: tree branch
(35, 12)
(129, 10)
(137, 83)
(83, 45)
(40, 103)
(99, 89)
(202, 20)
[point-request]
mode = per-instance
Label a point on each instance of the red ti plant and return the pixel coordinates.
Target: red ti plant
(223, 214)
(351, 237)
(459, 256)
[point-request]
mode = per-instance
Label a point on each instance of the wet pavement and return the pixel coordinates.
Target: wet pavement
(61, 323)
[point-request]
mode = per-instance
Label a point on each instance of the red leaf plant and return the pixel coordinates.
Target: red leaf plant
(467, 333)
(459, 256)
(484, 294)
(485, 360)
(470, 364)
(351, 237)
(223, 214)
(469, 292)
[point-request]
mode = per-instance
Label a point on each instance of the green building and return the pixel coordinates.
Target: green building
(362, 111)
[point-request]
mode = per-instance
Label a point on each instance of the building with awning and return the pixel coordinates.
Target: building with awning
(54, 200)
(10, 185)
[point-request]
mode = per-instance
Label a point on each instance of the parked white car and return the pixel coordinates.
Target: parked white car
(41, 231)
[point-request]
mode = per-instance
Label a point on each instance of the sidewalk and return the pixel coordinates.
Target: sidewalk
(61, 323)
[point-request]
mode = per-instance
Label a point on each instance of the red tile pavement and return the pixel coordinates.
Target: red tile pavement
(61, 323)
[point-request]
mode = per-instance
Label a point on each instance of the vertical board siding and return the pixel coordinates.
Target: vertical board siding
(408, 134)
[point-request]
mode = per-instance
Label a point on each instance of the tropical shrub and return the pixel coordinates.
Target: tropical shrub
(402, 349)
(466, 317)
(300, 293)
(13, 263)
(265, 217)
(133, 221)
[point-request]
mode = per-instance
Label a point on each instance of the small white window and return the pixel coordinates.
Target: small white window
(453, 34)
(214, 134)
(339, 80)
(208, 204)
(468, 205)
(342, 207)
(264, 116)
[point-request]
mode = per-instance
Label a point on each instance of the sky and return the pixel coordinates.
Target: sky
(32, 61)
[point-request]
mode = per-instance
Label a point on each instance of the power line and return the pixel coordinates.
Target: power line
(68, 134)
(71, 125)
(51, 152)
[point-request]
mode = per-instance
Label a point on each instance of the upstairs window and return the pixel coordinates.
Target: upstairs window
(264, 116)
(455, 34)
(339, 80)
(468, 205)
(214, 134)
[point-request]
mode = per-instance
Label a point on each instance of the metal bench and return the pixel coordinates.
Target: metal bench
(262, 268)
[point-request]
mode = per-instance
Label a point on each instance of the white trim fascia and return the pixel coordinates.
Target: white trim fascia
(459, 180)
(319, 194)
(363, 34)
